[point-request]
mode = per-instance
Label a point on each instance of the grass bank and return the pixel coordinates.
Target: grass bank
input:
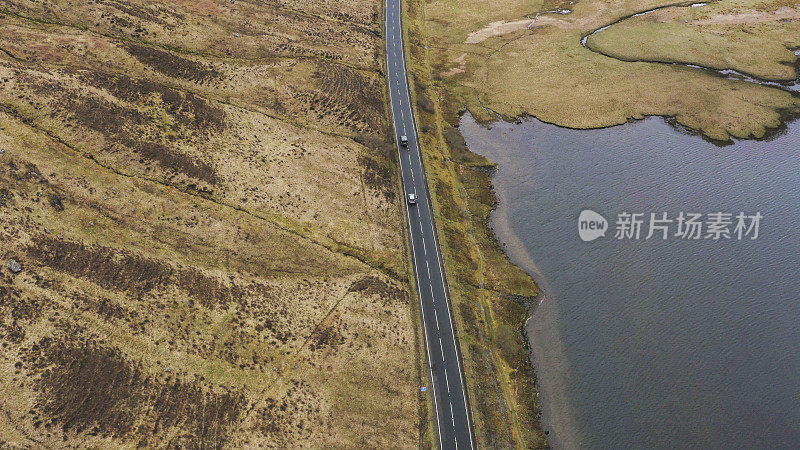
(490, 296)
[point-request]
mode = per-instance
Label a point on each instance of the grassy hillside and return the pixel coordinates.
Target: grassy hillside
(203, 203)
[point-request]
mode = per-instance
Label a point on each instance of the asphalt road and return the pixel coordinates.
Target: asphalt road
(452, 416)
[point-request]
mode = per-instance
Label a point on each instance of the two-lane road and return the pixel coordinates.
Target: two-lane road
(448, 390)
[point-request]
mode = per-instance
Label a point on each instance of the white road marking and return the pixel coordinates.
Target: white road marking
(422, 309)
(447, 382)
(452, 417)
(395, 21)
(421, 233)
(436, 315)
(427, 268)
(409, 163)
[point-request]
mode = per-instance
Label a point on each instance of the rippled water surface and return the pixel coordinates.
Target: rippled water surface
(655, 343)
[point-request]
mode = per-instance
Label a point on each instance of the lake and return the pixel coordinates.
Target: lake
(656, 343)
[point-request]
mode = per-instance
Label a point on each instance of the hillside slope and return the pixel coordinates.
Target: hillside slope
(203, 204)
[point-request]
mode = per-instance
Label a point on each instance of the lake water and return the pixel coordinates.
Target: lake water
(655, 343)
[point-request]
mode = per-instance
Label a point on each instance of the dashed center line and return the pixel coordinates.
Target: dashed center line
(452, 417)
(399, 92)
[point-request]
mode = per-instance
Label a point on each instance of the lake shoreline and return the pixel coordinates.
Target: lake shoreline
(510, 243)
(542, 326)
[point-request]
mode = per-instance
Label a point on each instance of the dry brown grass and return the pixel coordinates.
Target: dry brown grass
(208, 228)
(311, 92)
(516, 67)
(719, 35)
(243, 29)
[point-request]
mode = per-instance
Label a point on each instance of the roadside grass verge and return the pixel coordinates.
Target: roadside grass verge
(483, 283)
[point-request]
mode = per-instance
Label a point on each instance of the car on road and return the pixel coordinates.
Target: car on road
(404, 141)
(412, 199)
